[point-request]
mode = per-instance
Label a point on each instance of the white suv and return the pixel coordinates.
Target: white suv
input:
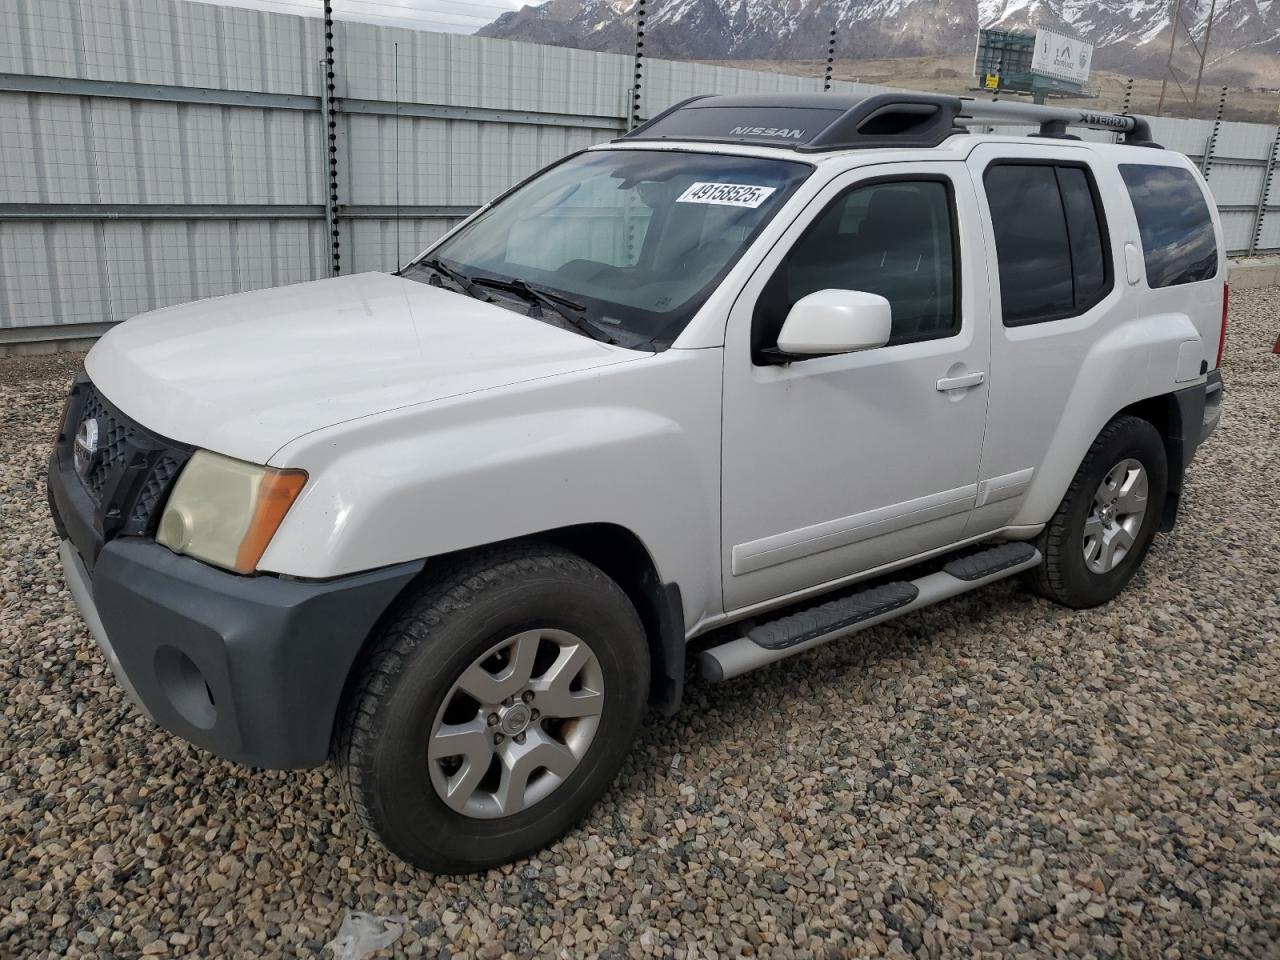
(798, 364)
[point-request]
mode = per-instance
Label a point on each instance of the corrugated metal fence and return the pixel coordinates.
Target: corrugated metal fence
(155, 151)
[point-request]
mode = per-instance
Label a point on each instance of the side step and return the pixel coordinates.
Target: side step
(812, 626)
(985, 563)
(836, 615)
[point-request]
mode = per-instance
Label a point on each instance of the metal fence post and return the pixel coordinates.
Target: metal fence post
(831, 62)
(1127, 105)
(1207, 162)
(329, 116)
(638, 79)
(1261, 213)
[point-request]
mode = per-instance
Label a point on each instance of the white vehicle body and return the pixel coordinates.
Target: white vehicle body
(457, 528)
(749, 486)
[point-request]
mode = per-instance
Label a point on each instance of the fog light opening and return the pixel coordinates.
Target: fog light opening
(186, 687)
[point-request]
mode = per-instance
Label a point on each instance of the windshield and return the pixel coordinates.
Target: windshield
(624, 244)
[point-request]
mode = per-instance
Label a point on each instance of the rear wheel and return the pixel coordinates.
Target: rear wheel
(1098, 537)
(495, 709)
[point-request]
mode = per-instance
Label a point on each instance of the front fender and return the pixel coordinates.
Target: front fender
(635, 445)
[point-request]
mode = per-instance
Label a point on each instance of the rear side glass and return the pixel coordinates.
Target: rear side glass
(1088, 251)
(1032, 245)
(1178, 242)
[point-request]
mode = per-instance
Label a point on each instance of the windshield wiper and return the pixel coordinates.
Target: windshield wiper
(568, 310)
(456, 277)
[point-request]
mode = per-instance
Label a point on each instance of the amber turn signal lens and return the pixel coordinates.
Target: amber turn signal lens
(278, 490)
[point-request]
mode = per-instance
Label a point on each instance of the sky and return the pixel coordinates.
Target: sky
(454, 16)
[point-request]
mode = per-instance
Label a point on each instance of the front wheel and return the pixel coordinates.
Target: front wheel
(495, 709)
(1100, 533)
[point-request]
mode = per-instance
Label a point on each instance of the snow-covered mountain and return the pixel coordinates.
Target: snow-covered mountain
(1127, 34)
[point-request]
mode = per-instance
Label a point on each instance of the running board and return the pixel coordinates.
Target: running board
(813, 626)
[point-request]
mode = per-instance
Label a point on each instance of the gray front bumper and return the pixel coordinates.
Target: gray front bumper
(249, 668)
(77, 577)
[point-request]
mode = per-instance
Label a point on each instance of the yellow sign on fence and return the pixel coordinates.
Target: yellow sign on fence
(992, 82)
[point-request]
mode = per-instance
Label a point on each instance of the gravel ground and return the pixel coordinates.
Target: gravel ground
(995, 775)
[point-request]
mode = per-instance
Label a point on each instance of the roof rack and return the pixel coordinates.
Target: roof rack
(1054, 121)
(813, 123)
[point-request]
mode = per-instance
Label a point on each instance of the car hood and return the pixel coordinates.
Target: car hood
(245, 374)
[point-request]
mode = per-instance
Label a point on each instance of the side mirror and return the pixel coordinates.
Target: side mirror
(836, 321)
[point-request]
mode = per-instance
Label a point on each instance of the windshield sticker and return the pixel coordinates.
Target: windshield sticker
(727, 194)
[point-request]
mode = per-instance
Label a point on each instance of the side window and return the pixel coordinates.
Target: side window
(1178, 243)
(896, 238)
(1051, 241)
(1089, 255)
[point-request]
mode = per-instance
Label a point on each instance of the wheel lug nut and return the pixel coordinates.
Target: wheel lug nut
(527, 696)
(493, 719)
(507, 702)
(533, 714)
(519, 738)
(498, 738)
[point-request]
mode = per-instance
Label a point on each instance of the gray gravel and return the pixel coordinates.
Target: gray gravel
(994, 776)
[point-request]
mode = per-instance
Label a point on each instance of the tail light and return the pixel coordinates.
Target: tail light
(1222, 335)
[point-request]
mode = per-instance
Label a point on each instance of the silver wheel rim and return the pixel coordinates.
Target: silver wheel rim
(516, 724)
(1119, 506)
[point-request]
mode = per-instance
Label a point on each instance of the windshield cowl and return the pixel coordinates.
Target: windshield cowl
(522, 297)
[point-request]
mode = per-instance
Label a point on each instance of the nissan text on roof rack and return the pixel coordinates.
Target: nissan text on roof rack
(784, 367)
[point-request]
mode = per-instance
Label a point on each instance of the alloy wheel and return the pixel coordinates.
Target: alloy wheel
(1115, 516)
(516, 723)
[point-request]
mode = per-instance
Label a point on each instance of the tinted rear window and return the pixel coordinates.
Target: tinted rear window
(1089, 259)
(1177, 232)
(1032, 246)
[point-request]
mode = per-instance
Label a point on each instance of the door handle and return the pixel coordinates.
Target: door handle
(961, 383)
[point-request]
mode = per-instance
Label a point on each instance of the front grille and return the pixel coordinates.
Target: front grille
(134, 471)
(114, 433)
(155, 490)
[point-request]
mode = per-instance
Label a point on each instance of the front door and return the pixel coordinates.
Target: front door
(836, 465)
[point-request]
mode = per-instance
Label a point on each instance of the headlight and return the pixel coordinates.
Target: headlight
(225, 511)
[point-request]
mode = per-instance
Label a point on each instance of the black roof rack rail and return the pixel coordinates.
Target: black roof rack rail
(813, 123)
(809, 122)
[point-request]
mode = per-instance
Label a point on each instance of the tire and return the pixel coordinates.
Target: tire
(411, 694)
(1067, 576)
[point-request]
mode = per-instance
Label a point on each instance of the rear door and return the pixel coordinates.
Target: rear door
(1057, 280)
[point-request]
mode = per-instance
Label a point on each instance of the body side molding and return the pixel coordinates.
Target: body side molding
(843, 531)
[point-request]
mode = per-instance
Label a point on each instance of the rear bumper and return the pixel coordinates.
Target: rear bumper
(1199, 409)
(1213, 392)
(250, 668)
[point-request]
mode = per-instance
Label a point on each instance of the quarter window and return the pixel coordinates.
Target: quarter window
(1051, 241)
(894, 238)
(1178, 242)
